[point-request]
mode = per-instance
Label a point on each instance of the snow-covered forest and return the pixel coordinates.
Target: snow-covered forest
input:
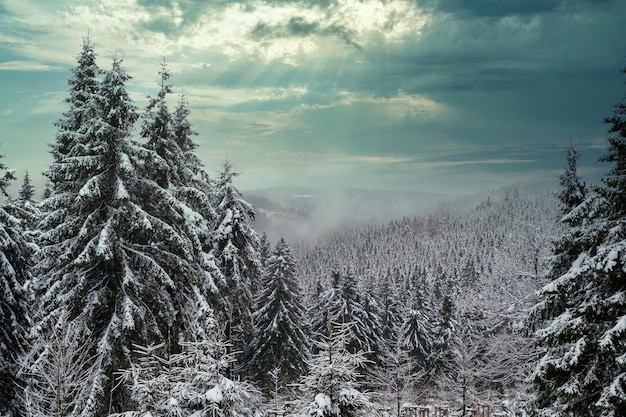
(137, 285)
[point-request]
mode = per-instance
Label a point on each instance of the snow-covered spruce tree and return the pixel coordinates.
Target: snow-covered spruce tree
(345, 303)
(116, 247)
(573, 189)
(331, 386)
(191, 382)
(170, 135)
(14, 262)
(417, 336)
(83, 84)
(25, 208)
(175, 167)
(236, 249)
(582, 371)
(265, 251)
(27, 190)
(445, 329)
(279, 341)
(389, 301)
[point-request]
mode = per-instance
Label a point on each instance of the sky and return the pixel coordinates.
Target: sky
(446, 96)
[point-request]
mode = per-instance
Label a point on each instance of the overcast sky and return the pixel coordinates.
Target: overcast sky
(450, 96)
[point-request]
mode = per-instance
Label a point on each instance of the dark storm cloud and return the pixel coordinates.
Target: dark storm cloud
(502, 8)
(298, 27)
(192, 10)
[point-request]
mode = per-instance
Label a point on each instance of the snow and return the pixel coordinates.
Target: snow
(215, 394)
(607, 339)
(611, 260)
(323, 402)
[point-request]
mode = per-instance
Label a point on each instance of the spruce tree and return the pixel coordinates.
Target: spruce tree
(279, 340)
(444, 332)
(25, 208)
(116, 248)
(332, 385)
(235, 246)
(583, 371)
(83, 86)
(27, 190)
(173, 164)
(14, 263)
(345, 303)
(417, 335)
(573, 190)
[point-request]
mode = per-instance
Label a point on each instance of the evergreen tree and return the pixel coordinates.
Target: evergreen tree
(174, 166)
(191, 382)
(116, 247)
(195, 187)
(344, 303)
(573, 190)
(83, 86)
(265, 250)
(333, 378)
(417, 339)
(26, 209)
(236, 249)
(27, 191)
(279, 341)
(445, 330)
(583, 371)
(14, 262)
(390, 308)
(47, 190)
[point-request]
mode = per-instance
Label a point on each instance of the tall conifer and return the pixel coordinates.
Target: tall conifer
(583, 368)
(14, 262)
(279, 340)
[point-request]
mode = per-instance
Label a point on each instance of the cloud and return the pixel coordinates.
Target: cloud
(27, 66)
(298, 27)
(499, 8)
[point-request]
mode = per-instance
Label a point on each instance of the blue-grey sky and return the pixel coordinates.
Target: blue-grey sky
(450, 96)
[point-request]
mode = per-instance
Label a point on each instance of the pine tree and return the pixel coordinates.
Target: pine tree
(279, 341)
(116, 247)
(26, 209)
(417, 336)
(27, 191)
(583, 368)
(195, 188)
(344, 303)
(174, 166)
(390, 308)
(333, 378)
(14, 263)
(83, 85)
(444, 331)
(573, 190)
(191, 382)
(236, 249)
(47, 191)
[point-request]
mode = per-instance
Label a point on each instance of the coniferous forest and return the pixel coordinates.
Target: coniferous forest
(138, 286)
